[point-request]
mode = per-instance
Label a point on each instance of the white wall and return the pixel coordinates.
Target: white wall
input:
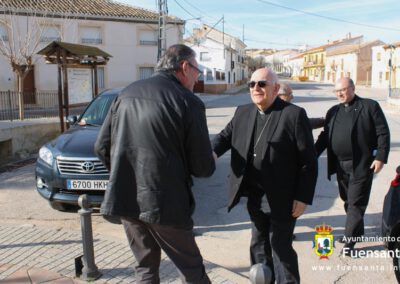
(379, 66)
(119, 40)
(297, 66)
(218, 61)
(350, 62)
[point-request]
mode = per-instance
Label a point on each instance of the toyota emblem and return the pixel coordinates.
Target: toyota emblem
(87, 166)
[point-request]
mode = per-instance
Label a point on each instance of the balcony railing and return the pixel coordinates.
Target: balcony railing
(92, 40)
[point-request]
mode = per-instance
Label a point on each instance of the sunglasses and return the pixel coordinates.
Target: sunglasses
(194, 67)
(341, 90)
(261, 84)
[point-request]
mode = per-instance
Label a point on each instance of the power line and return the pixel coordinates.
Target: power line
(327, 17)
(202, 12)
(185, 9)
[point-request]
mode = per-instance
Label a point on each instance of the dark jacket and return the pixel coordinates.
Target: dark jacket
(153, 139)
(317, 122)
(289, 166)
(370, 136)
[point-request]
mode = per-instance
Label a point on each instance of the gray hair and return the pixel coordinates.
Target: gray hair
(284, 90)
(175, 54)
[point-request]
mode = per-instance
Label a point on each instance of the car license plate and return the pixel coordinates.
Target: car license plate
(76, 184)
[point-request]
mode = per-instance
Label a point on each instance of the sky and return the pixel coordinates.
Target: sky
(288, 23)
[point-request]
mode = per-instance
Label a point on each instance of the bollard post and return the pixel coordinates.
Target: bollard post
(89, 269)
(260, 274)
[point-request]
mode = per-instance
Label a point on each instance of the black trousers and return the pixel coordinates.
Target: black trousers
(146, 242)
(271, 239)
(355, 192)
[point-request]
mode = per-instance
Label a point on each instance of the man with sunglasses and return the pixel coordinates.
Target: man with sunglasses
(273, 163)
(357, 138)
(153, 141)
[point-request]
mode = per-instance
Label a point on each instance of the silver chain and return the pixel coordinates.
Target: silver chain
(259, 136)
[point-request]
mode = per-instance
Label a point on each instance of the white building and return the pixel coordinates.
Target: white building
(295, 65)
(382, 57)
(221, 57)
(127, 33)
(353, 60)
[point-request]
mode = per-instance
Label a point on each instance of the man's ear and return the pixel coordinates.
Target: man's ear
(276, 88)
(185, 68)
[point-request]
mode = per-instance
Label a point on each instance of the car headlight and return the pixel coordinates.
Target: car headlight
(46, 155)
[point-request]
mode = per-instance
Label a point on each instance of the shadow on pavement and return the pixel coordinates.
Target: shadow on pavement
(212, 196)
(308, 99)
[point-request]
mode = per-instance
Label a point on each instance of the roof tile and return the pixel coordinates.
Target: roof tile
(102, 8)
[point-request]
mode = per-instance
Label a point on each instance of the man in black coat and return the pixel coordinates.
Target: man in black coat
(357, 139)
(153, 140)
(273, 162)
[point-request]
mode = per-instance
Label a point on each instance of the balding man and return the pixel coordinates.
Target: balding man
(285, 93)
(357, 139)
(274, 164)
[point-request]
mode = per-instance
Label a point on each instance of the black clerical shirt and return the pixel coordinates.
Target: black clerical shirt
(341, 132)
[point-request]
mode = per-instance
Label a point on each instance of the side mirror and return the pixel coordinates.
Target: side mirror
(72, 119)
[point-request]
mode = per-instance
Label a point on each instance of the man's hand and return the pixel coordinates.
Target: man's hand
(377, 166)
(214, 156)
(298, 208)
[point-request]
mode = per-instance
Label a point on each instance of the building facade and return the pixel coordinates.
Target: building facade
(354, 61)
(221, 57)
(127, 33)
(386, 66)
(314, 65)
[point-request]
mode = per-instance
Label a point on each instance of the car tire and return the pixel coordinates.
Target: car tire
(64, 207)
(396, 261)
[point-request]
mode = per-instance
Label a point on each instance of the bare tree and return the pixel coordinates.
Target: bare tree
(25, 26)
(255, 63)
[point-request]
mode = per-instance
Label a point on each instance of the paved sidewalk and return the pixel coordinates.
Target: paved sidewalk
(30, 254)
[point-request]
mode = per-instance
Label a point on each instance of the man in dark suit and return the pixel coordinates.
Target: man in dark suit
(153, 141)
(273, 162)
(357, 137)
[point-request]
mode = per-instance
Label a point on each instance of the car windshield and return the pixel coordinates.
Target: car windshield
(97, 111)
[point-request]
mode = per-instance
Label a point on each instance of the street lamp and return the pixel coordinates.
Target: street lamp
(392, 48)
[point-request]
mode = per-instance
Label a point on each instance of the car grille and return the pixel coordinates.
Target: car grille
(81, 166)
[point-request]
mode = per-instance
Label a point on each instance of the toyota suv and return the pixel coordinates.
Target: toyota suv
(68, 167)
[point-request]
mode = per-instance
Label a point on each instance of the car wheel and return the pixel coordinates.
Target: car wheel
(396, 261)
(64, 207)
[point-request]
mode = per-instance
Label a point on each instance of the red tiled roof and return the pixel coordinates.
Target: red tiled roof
(353, 47)
(323, 47)
(88, 8)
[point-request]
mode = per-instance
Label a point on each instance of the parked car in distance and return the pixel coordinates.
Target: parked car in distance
(391, 222)
(68, 167)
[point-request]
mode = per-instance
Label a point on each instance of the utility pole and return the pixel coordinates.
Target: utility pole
(223, 34)
(162, 28)
(392, 48)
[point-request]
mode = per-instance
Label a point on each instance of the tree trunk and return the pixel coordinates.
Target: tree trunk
(21, 96)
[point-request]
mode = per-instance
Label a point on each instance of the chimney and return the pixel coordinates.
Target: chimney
(349, 35)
